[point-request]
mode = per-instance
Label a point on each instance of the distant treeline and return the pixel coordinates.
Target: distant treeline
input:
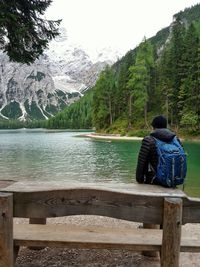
(15, 124)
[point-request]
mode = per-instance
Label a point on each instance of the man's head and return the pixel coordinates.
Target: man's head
(159, 122)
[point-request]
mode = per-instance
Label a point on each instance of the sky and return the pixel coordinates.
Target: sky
(118, 24)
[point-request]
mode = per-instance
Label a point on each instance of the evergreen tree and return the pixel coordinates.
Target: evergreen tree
(24, 33)
(104, 99)
(165, 83)
(140, 78)
(176, 66)
(122, 91)
(190, 79)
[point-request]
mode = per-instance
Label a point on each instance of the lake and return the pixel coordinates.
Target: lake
(45, 155)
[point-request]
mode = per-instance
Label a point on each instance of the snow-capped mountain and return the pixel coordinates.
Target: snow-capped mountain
(56, 79)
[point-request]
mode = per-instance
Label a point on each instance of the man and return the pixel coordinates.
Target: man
(148, 158)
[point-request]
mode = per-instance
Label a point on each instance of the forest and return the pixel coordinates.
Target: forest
(160, 76)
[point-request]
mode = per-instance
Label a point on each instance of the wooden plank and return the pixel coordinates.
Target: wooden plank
(6, 183)
(71, 236)
(172, 222)
(61, 235)
(6, 230)
(190, 243)
(141, 203)
(127, 206)
(131, 188)
(135, 202)
(191, 210)
(154, 254)
(37, 221)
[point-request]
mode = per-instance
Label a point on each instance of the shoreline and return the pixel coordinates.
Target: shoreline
(117, 137)
(98, 136)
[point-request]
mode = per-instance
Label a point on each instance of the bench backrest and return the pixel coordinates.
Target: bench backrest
(133, 202)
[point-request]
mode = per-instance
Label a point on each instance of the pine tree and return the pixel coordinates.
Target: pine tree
(190, 77)
(176, 66)
(24, 33)
(104, 99)
(139, 83)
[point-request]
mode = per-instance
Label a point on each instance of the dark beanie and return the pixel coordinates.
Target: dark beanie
(159, 122)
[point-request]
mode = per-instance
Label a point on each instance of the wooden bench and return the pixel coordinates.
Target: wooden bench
(138, 203)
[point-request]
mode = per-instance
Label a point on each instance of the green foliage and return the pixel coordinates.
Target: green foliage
(189, 14)
(190, 121)
(24, 33)
(148, 83)
(16, 124)
(12, 110)
(104, 105)
(139, 81)
(138, 133)
(38, 77)
(76, 116)
(118, 127)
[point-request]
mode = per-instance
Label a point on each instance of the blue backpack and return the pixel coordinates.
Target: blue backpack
(172, 164)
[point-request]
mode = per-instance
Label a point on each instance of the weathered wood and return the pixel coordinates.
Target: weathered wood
(190, 242)
(172, 222)
(123, 201)
(15, 252)
(132, 188)
(73, 236)
(90, 202)
(134, 202)
(151, 253)
(6, 183)
(191, 210)
(139, 203)
(37, 221)
(6, 230)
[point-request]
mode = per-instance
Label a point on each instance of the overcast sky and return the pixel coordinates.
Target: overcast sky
(119, 24)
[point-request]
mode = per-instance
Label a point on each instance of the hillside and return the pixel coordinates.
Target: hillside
(161, 75)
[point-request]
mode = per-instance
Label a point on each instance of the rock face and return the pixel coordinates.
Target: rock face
(56, 79)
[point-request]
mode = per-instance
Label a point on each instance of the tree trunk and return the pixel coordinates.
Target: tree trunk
(110, 111)
(129, 111)
(167, 109)
(145, 116)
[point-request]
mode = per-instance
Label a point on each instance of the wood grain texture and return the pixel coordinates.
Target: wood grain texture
(134, 202)
(155, 254)
(6, 183)
(172, 222)
(132, 188)
(51, 199)
(87, 237)
(127, 206)
(6, 230)
(191, 210)
(61, 235)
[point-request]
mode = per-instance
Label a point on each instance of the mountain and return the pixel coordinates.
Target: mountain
(57, 79)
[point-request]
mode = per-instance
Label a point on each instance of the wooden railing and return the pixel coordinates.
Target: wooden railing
(146, 204)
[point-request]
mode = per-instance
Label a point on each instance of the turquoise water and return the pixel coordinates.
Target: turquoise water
(59, 155)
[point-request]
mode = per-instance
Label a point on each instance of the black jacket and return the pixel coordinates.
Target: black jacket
(148, 158)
